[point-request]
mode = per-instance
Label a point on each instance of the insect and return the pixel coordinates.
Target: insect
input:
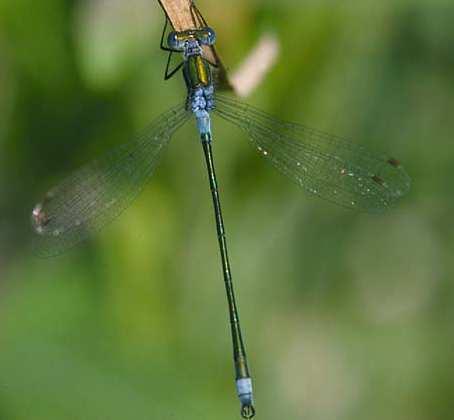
(324, 165)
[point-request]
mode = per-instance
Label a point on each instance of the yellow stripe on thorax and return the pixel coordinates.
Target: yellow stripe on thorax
(201, 70)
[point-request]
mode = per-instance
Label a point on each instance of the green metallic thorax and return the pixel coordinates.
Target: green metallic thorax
(197, 72)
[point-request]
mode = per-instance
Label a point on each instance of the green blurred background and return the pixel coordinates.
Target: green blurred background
(346, 315)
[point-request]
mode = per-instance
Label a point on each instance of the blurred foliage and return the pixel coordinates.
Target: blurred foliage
(346, 315)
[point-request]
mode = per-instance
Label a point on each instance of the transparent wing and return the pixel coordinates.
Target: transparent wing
(99, 191)
(325, 165)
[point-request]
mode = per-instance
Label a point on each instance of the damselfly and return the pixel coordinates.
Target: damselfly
(324, 165)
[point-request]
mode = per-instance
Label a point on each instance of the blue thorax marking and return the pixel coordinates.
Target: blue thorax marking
(200, 96)
(197, 74)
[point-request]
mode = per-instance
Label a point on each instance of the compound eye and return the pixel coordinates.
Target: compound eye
(211, 36)
(173, 41)
(206, 36)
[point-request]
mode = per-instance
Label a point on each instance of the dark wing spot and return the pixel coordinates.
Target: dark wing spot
(394, 162)
(40, 218)
(378, 180)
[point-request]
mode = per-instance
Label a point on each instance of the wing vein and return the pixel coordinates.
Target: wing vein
(98, 192)
(325, 165)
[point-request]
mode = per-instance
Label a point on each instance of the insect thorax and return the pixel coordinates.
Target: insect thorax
(200, 99)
